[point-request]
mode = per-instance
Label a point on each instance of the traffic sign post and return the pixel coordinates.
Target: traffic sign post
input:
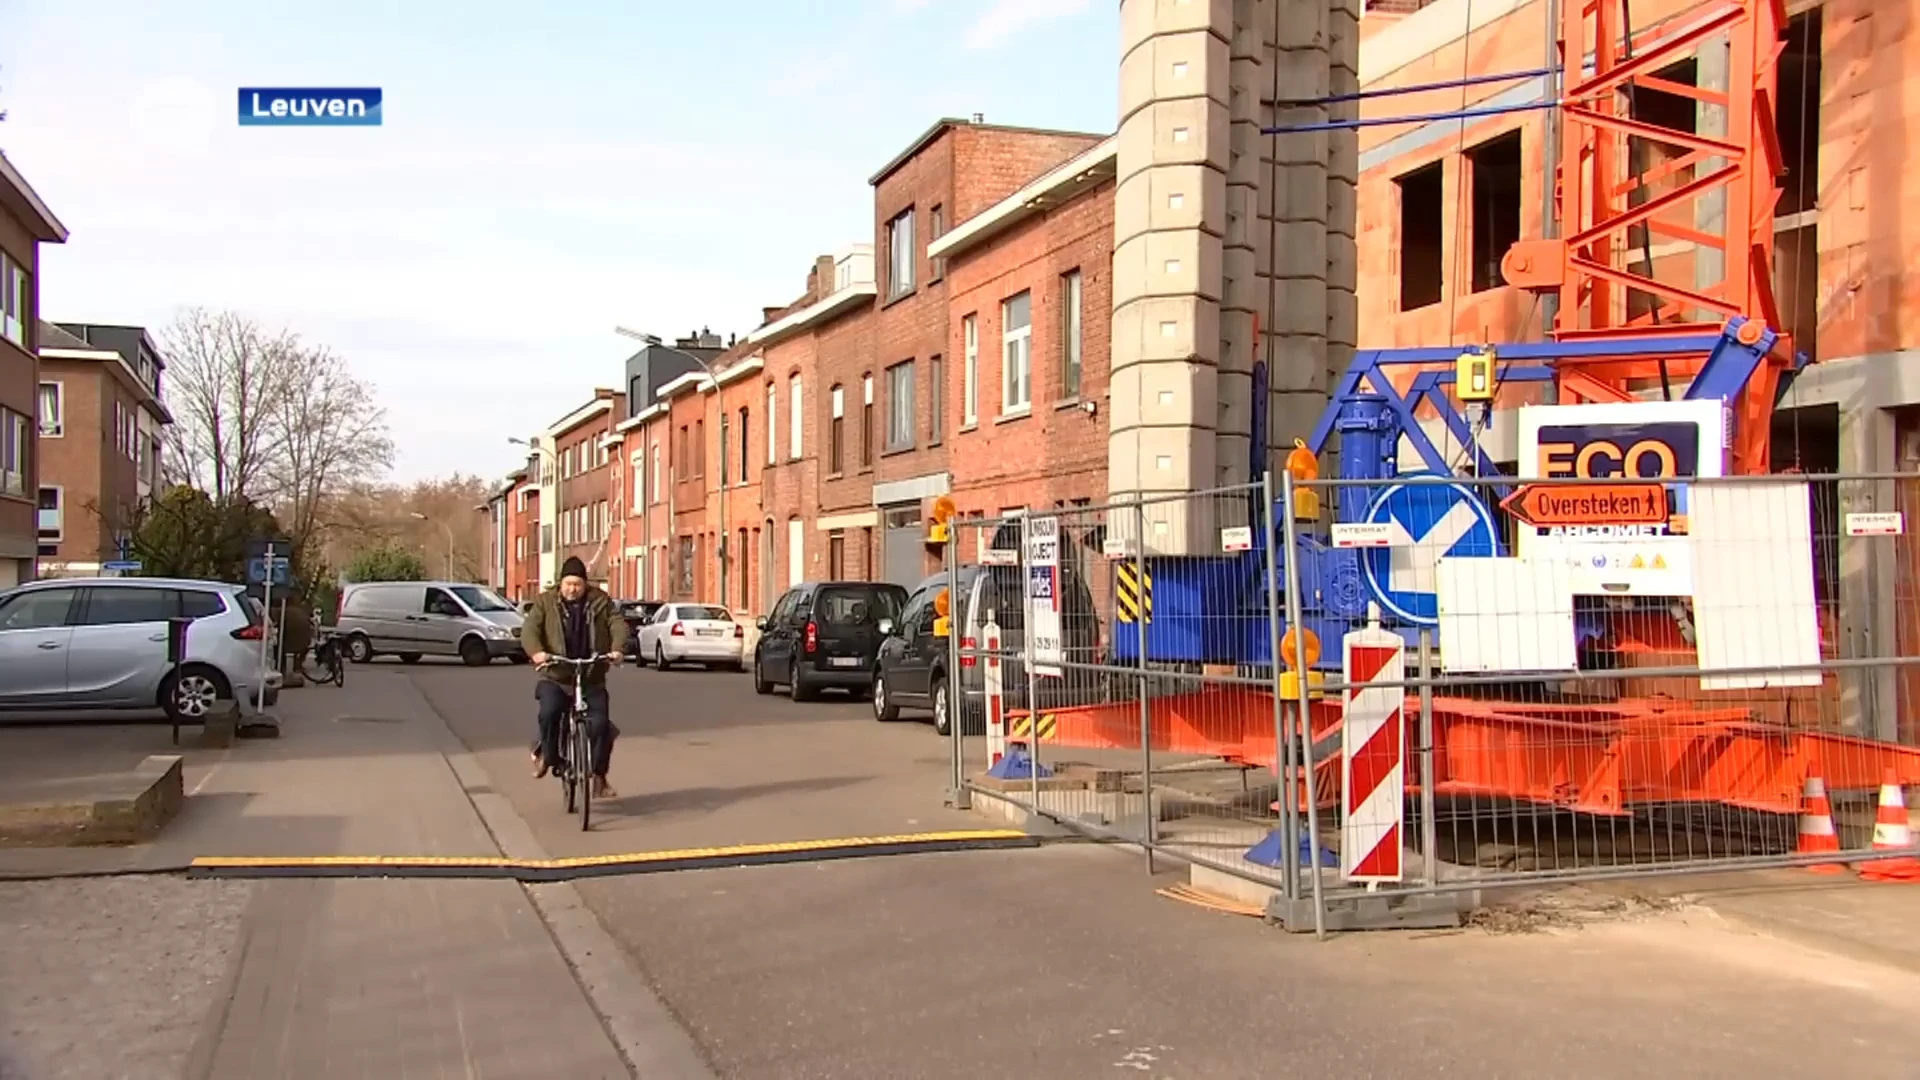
(1429, 520)
(268, 565)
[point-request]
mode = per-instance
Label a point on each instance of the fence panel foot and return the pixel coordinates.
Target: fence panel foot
(1378, 911)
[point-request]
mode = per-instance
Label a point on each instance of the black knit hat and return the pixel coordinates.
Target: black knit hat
(573, 567)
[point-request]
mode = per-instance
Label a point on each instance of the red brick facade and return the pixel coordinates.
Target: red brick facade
(582, 525)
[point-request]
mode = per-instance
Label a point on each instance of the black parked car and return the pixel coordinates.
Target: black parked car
(824, 634)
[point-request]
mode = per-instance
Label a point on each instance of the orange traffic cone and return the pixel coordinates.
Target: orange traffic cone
(1892, 832)
(1817, 835)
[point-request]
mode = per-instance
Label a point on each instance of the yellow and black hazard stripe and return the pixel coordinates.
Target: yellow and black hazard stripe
(643, 862)
(1022, 727)
(1133, 592)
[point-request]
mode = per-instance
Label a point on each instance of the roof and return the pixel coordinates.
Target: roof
(18, 196)
(54, 336)
(947, 123)
(1077, 175)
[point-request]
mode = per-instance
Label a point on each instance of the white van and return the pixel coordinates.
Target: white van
(412, 619)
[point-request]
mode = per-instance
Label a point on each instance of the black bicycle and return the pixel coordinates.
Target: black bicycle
(577, 772)
(329, 664)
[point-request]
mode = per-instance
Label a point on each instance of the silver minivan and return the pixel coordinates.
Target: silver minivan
(412, 619)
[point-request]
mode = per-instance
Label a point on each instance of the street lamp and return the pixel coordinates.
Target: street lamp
(449, 531)
(713, 380)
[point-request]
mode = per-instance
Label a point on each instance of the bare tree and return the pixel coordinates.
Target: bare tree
(228, 384)
(331, 433)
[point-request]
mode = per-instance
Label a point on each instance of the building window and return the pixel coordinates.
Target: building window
(684, 586)
(1422, 206)
(970, 372)
(900, 255)
(52, 523)
(1070, 328)
(836, 555)
(1016, 356)
(936, 228)
(744, 459)
(1495, 166)
(519, 548)
(866, 420)
(773, 416)
(699, 448)
(655, 470)
(794, 417)
(936, 398)
(14, 317)
(53, 414)
(866, 554)
(16, 440)
(639, 498)
(900, 406)
(836, 432)
(546, 538)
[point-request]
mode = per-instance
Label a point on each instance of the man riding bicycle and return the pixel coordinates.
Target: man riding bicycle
(576, 621)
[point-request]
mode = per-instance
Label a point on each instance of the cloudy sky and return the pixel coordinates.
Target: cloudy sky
(538, 178)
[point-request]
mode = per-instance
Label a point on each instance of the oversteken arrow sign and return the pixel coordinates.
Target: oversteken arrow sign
(1546, 505)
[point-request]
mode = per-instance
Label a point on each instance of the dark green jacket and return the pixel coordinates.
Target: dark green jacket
(543, 632)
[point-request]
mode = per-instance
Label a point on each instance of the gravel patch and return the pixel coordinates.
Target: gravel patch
(110, 977)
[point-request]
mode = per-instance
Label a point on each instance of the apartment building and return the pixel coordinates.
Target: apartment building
(582, 511)
(25, 224)
(523, 530)
(1030, 288)
(952, 172)
(101, 416)
(818, 450)
(505, 542)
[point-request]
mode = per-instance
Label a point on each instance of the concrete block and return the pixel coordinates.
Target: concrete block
(1300, 307)
(220, 728)
(1178, 263)
(1158, 328)
(1165, 395)
(1190, 131)
(118, 808)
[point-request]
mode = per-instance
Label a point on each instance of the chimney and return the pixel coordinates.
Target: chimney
(824, 270)
(709, 339)
(768, 314)
(979, 118)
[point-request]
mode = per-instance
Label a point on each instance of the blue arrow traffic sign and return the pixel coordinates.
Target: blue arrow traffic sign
(1433, 520)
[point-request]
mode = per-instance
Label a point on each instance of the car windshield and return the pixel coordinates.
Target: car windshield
(853, 605)
(479, 600)
(701, 611)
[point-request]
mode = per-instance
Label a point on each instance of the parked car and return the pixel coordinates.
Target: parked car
(411, 619)
(638, 613)
(690, 634)
(914, 666)
(101, 643)
(824, 634)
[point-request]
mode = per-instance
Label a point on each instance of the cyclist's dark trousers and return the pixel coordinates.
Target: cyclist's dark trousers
(554, 701)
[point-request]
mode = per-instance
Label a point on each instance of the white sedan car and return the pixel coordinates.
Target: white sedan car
(690, 634)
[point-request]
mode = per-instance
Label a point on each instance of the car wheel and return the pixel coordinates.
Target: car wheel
(760, 683)
(884, 710)
(193, 695)
(359, 649)
(473, 652)
(660, 656)
(797, 687)
(411, 657)
(942, 715)
(639, 653)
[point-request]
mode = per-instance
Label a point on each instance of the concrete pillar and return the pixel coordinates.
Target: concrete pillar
(1169, 220)
(1299, 302)
(1343, 200)
(1710, 210)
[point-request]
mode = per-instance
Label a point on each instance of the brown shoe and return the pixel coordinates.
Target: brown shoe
(603, 790)
(540, 769)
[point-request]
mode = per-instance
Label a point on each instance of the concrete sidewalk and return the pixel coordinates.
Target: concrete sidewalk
(345, 978)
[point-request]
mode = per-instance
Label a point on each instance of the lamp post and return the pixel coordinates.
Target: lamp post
(713, 382)
(448, 530)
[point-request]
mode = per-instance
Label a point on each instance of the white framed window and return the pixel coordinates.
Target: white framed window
(1070, 335)
(1016, 354)
(970, 370)
(52, 517)
(14, 313)
(900, 254)
(639, 497)
(794, 418)
(53, 413)
(773, 425)
(836, 431)
(16, 442)
(900, 406)
(656, 472)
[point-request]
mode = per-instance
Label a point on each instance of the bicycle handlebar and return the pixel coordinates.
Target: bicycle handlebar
(571, 662)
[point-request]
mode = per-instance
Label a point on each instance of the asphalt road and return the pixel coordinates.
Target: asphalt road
(1062, 962)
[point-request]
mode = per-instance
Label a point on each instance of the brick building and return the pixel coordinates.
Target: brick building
(101, 415)
(580, 460)
(25, 224)
(1030, 285)
(513, 536)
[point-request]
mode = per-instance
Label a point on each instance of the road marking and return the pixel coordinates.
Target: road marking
(1412, 566)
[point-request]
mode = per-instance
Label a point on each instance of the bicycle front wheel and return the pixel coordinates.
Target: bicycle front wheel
(583, 768)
